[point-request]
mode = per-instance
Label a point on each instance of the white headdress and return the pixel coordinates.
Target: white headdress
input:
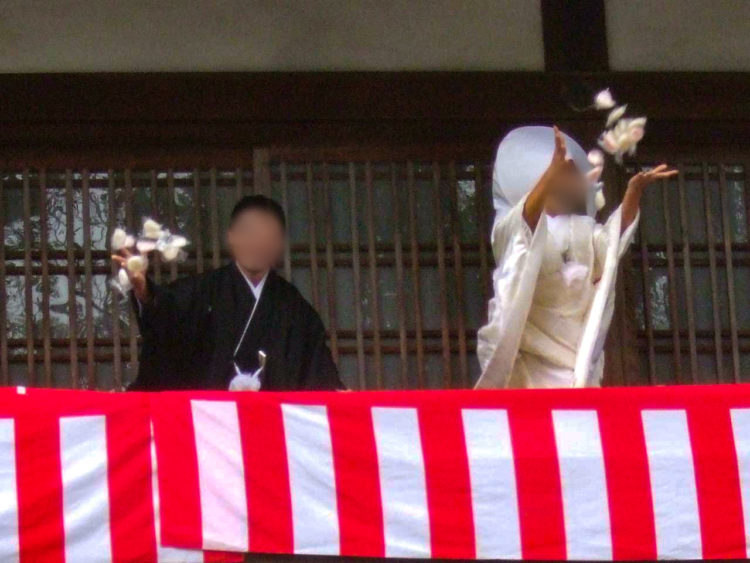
(522, 157)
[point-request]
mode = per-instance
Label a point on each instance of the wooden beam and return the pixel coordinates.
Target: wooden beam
(121, 114)
(226, 98)
(575, 36)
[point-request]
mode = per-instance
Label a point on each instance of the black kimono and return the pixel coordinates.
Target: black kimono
(191, 328)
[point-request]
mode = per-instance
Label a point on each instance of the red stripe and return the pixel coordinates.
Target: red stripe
(447, 479)
(177, 462)
(717, 481)
(130, 499)
(357, 480)
(630, 504)
(269, 504)
(538, 482)
(39, 478)
(222, 557)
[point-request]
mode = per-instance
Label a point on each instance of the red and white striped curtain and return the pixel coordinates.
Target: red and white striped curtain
(76, 480)
(563, 474)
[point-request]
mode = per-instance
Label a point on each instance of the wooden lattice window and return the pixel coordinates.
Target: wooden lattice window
(65, 325)
(690, 276)
(395, 255)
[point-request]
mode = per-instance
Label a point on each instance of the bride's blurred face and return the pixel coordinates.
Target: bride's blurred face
(568, 195)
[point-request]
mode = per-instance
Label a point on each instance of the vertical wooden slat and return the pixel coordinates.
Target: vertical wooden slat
(729, 266)
(442, 284)
(313, 235)
(619, 335)
(72, 303)
(688, 270)
(116, 343)
(414, 256)
(483, 232)
(285, 206)
(648, 310)
(374, 285)
(171, 218)
(155, 257)
(215, 242)
(132, 323)
(261, 172)
(672, 280)
(330, 268)
(460, 313)
(357, 277)
(4, 371)
(239, 184)
(198, 218)
(711, 242)
(400, 300)
(28, 279)
(44, 258)
(91, 378)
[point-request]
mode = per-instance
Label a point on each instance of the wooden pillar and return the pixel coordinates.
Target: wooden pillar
(575, 36)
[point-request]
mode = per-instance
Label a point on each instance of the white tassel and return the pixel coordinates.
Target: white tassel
(246, 381)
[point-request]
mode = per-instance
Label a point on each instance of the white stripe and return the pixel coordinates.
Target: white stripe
(8, 492)
(584, 484)
(311, 479)
(741, 431)
(492, 474)
(85, 488)
(670, 462)
(221, 475)
(166, 554)
(402, 482)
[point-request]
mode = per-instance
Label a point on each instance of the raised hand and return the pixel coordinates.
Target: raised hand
(137, 279)
(632, 200)
(558, 156)
(536, 199)
(645, 178)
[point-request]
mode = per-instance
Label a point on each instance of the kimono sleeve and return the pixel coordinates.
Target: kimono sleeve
(608, 252)
(168, 327)
(510, 230)
(518, 253)
(601, 236)
(169, 312)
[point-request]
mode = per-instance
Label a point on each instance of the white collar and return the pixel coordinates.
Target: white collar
(257, 289)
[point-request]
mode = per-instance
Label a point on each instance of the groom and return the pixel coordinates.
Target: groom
(201, 331)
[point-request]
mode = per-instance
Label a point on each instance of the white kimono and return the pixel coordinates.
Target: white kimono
(553, 303)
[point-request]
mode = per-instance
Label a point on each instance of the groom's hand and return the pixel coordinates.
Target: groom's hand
(137, 279)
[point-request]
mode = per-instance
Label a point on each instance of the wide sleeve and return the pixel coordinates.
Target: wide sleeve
(167, 324)
(511, 233)
(171, 307)
(603, 232)
(518, 253)
(610, 245)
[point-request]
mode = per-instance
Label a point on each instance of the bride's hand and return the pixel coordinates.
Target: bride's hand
(644, 179)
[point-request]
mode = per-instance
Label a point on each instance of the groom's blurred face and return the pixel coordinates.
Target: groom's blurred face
(568, 195)
(256, 240)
